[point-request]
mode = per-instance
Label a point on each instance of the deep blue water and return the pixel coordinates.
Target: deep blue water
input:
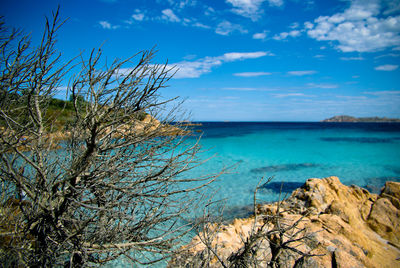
(364, 154)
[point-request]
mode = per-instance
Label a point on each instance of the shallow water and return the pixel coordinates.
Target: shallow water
(364, 154)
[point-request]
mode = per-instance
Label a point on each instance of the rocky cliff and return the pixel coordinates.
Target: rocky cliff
(345, 226)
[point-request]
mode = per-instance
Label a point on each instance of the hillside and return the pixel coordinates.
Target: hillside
(60, 115)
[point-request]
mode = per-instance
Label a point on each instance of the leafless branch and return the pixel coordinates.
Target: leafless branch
(116, 182)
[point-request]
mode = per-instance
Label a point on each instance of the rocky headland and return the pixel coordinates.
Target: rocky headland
(148, 125)
(351, 119)
(345, 226)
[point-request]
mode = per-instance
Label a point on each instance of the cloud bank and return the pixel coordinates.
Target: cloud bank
(362, 27)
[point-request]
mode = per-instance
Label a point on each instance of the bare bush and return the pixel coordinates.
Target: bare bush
(112, 180)
(271, 238)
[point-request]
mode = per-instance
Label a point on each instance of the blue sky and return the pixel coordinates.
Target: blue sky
(245, 60)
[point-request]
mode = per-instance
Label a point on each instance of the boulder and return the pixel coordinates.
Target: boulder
(384, 218)
(342, 226)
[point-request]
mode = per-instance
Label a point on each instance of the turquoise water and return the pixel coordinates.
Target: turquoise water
(364, 154)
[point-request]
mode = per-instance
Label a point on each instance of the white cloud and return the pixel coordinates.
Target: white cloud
(323, 86)
(251, 89)
(386, 67)
(284, 35)
(308, 25)
(247, 8)
(277, 3)
(251, 74)
(361, 27)
(226, 28)
(301, 73)
(352, 58)
(201, 25)
(185, 3)
(233, 56)
(241, 88)
(169, 15)
(178, 4)
(190, 57)
(294, 33)
(291, 95)
(138, 15)
(186, 21)
(384, 92)
(106, 25)
(251, 8)
(209, 11)
(393, 55)
(194, 69)
(261, 36)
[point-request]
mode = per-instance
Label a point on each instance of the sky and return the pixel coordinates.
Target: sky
(244, 60)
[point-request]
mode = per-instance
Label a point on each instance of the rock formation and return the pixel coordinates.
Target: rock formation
(346, 226)
(346, 118)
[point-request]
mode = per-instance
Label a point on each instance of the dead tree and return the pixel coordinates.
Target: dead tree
(273, 241)
(107, 183)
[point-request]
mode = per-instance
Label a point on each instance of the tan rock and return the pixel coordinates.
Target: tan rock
(347, 226)
(384, 218)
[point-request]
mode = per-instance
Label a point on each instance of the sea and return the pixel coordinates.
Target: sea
(362, 154)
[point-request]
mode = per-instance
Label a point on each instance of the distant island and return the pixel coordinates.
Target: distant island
(346, 118)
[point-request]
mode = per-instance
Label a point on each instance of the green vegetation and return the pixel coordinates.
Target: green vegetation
(60, 112)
